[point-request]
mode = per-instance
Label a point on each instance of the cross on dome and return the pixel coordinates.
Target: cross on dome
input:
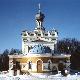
(39, 5)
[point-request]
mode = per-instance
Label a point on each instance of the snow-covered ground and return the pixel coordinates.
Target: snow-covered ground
(39, 77)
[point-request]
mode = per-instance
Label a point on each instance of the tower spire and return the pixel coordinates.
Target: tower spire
(39, 5)
(39, 18)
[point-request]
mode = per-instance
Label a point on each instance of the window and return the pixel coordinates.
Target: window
(28, 33)
(37, 50)
(25, 34)
(31, 34)
(30, 65)
(25, 39)
(41, 48)
(53, 34)
(47, 38)
(54, 69)
(49, 65)
(18, 65)
(39, 34)
(46, 34)
(53, 39)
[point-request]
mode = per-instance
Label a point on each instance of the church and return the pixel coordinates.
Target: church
(39, 50)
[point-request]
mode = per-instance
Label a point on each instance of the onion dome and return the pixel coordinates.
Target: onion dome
(39, 16)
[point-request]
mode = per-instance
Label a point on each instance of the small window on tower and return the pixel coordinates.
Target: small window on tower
(46, 34)
(24, 34)
(39, 34)
(25, 39)
(31, 34)
(53, 39)
(53, 34)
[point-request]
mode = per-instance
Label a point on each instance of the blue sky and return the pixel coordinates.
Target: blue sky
(17, 15)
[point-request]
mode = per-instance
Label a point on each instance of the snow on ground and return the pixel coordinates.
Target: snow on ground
(39, 77)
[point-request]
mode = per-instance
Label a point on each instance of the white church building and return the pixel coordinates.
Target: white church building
(38, 48)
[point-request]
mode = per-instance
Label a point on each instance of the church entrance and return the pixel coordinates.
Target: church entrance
(39, 66)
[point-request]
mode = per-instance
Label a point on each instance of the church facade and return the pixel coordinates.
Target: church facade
(38, 50)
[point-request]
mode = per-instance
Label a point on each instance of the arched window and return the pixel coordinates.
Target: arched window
(61, 66)
(49, 64)
(54, 70)
(30, 65)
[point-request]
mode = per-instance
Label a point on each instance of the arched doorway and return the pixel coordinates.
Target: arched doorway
(39, 66)
(61, 67)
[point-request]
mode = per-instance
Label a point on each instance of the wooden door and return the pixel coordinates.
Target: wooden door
(39, 66)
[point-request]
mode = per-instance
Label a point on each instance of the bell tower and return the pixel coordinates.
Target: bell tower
(39, 19)
(39, 35)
